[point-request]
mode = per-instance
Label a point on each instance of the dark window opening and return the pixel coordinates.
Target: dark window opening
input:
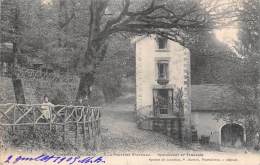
(162, 43)
(163, 75)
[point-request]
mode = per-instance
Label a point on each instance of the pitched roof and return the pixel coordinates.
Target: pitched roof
(212, 97)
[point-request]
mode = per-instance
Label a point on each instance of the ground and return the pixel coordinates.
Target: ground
(120, 132)
(121, 138)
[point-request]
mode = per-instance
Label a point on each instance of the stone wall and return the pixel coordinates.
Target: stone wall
(59, 93)
(206, 124)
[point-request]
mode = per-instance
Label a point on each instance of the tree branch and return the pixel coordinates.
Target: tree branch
(67, 21)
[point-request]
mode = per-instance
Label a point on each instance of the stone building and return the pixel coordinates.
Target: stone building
(166, 102)
(213, 107)
(163, 86)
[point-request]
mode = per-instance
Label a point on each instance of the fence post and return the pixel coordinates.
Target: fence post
(14, 118)
(50, 120)
(84, 126)
(64, 125)
(76, 123)
(33, 109)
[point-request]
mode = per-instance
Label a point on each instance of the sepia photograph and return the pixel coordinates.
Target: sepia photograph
(124, 82)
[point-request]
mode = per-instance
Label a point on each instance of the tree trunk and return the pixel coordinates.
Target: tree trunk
(17, 83)
(86, 81)
(111, 93)
(18, 91)
(96, 49)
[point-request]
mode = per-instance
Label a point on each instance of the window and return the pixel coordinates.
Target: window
(163, 74)
(163, 101)
(5, 67)
(162, 43)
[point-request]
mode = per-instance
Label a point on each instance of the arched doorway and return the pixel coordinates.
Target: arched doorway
(232, 135)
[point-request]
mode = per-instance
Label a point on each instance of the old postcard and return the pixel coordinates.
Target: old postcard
(124, 82)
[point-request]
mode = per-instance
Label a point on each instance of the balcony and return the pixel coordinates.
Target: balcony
(162, 81)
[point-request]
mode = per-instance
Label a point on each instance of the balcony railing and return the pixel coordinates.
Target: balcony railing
(162, 81)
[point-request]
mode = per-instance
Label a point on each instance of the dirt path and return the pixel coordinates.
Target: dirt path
(120, 133)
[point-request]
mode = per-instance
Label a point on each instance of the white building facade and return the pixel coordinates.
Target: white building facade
(162, 82)
(164, 102)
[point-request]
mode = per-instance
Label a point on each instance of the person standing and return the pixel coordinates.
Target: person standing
(46, 107)
(85, 101)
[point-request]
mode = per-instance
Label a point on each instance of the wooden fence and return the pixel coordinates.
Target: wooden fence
(78, 124)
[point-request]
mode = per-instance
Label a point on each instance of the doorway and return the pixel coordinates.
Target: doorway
(163, 101)
(232, 135)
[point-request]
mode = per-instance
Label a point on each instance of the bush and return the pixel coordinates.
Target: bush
(36, 138)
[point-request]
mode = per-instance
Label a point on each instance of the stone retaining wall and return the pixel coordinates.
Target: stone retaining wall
(35, 90)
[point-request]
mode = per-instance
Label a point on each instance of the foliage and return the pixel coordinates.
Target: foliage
(170, 19)
(245, 77)
(37, 138)
(118, 64)
(210, 60)
(179, 102)
(76, 36)
(58, 93)
(249, 26)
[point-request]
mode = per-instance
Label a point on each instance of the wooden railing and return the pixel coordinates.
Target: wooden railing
(75, 122)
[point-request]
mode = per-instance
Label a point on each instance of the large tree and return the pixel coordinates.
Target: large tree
(245, 79)
(171, 19)
(74, 35)
(38, 32)
(211, 60)
(248, 75)
(118, 65)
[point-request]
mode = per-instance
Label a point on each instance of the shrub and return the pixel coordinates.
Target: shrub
(36, 138)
